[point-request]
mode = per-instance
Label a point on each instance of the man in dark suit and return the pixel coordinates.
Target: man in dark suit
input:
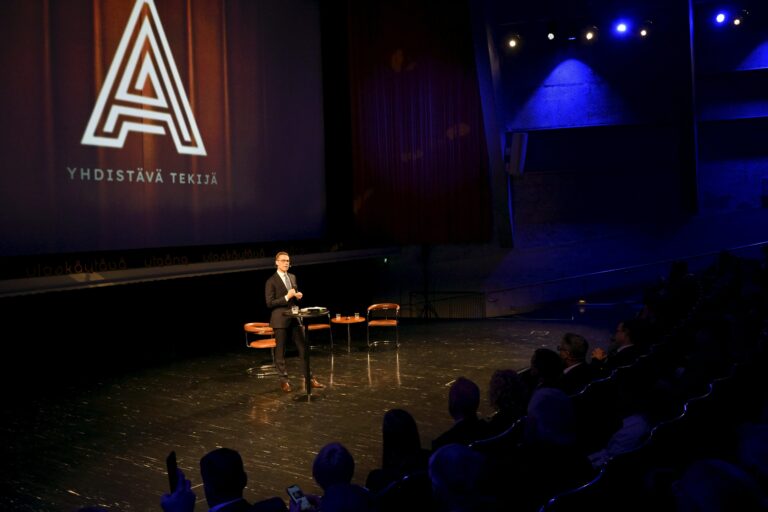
(281, 294)
(624, 348)
(577, 373)
(463, 402)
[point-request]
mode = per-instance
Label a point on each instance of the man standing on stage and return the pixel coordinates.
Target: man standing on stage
(282, 293)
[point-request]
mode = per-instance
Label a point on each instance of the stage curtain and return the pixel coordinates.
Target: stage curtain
(419, 155)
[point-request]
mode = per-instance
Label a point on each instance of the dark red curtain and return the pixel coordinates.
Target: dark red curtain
(419, 154)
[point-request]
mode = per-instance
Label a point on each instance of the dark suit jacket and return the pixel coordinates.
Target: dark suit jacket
(615, 359)
(275, 292)
(464, 432)
(624, 357)
(575, 380)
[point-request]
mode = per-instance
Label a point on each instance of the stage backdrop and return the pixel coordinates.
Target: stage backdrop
(131, 124)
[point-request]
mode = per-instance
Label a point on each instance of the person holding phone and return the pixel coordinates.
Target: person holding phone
(282, 293)
(224, 480)
(181, 498)
(300, 502)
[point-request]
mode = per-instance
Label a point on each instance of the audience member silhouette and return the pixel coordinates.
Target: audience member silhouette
(623, 350)
(545, 370)
(508, 396)
(459, 477)
(549, 460)
(333, 465)
(401, 452)
(463, 402)
(576, 372)
(224, 480)
(634, 406)
(333, 469)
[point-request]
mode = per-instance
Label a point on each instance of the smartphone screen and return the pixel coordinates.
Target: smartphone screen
(297, 496)
(173, 475)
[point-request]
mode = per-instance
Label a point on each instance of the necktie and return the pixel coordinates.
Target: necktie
(287, 282)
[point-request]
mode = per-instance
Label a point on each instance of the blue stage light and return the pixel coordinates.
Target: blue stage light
(622, 27)
(720, 17)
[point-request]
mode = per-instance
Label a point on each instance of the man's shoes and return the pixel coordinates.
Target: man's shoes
(316, 384)
(286, 387)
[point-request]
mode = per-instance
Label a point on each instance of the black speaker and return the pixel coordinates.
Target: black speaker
(515, 145)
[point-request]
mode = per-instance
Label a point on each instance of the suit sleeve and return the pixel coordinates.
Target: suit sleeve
(273, 296)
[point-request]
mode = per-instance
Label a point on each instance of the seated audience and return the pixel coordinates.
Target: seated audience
(549, 460)
(463, 402)
(623, 350)
(224, 480)
(333, 469)
(634, 406)
(459, 477)
(576, 372)
(545, 370)
(401, 453)
(508, 397)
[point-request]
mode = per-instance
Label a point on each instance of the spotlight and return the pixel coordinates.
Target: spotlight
(621, 27)
(739, 19)
(720, 18)
(513, 41)
(590, 34)
(645, 29)
(554, 31)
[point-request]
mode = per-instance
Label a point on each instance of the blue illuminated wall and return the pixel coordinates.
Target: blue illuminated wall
(732, 87)
(627, 129)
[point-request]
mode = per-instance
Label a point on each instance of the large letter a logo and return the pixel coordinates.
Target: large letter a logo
(143, 91)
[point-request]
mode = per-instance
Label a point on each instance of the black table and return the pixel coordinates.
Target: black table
(300, 315)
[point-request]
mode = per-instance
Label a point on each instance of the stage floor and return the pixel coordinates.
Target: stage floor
(105, 443)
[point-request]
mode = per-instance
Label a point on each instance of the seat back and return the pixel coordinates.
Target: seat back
(384, 312)
(620, 485)
(383, 315)
(256, 330)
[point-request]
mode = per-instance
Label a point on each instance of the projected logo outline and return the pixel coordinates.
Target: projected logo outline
(149, 59)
